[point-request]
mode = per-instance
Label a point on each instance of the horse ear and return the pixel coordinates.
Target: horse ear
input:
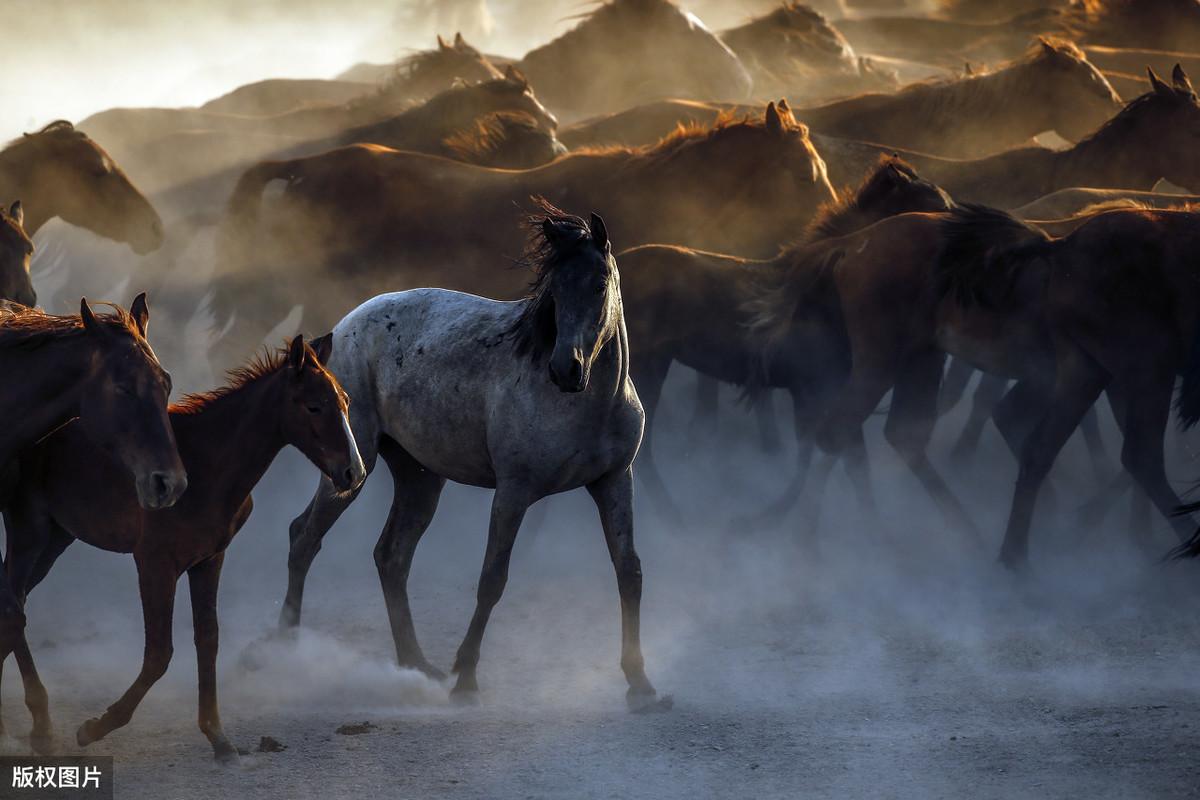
(323, 347)
(784, 108)
(548, 229)
(90, 323)
(599, 232)
(1181, 81)
(459, 41)
(774, 121)
(17, 212)
(514, 75)
(1157, 84)
(296, 353)
(139, 309)
(442, 45)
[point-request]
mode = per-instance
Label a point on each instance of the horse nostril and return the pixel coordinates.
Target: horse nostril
(349, 476)
(576, 372)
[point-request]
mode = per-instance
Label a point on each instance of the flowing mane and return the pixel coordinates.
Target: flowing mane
(60, 127)
(983, 250)
(492, 135)
(533, 332)
(31, 327)
(264, 364)
(856, 208)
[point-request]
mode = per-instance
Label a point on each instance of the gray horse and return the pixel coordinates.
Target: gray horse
(530, 397)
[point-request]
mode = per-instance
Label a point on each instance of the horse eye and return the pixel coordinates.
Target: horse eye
(314, 409)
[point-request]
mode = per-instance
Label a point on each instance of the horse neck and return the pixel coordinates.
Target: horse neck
(230, 442)
(984, 105)
(1107, 158)
(19, 180)
(43, 389)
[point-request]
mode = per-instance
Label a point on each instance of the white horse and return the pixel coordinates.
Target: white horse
(530, 397)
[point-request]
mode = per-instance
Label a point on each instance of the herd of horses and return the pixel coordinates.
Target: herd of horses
(1056, 271)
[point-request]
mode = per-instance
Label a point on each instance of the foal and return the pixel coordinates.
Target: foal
(531, 397)
(70, 489)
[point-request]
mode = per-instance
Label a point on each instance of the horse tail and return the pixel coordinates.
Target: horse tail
(983, 252)
(1190, 548)
(1187, 405)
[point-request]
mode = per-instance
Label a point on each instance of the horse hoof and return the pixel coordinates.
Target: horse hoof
(88, 732)
(643, 702)
(225, 754)
(465, 692)
(42, 743)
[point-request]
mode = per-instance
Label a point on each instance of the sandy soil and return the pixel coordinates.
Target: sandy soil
(868, 658)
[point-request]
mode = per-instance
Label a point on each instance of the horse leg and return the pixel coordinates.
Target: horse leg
(203, 580)
(909, 427)
(414, 502)
(1015, 416)
(1094, 439)
(858, 469)
(991, 388)
(1148, 393)
(508, 509)
(1078, 383)
(613, 495)
(649, 378)
(156, 580)
(954, 385)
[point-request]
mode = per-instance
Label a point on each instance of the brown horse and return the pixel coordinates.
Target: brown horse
(280, 95)
(991, 11)
(425, 127)
(631, 51)
(363, 219)
(1172, 25)
(60, 172)
(698, 309)
(16, 248)
(1052, 88)
(428, 72)
(99, 369)
(945, 41)
(504, 140)
(793, 50)
(1112, 307)
(70, 489)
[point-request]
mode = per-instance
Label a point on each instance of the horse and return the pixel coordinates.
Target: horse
(990, 11)
(1052, 88)
(99, 370)
(795, 50)
(60, 172)
(504, 140)
(945, 41)
(425, 73)
(71, 489)
(1071, 203)
(531, 397)
(425, 127)
(1113, 309)
(365, 218)
(16, 249)
(698, 309)
(631, 51)
(1171, 25)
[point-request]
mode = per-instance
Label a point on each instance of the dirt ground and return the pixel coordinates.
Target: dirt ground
(857, 657)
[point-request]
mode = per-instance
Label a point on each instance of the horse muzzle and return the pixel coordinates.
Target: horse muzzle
(161, 489)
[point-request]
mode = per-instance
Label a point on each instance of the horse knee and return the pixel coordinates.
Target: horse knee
(304, 546)
(155, 663)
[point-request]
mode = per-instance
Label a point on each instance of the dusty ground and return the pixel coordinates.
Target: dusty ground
(874, 659)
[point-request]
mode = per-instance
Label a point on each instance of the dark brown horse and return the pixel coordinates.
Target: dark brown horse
(699, 309)
(504, 140)
(71, 489)
(364, 219)
(100, 370)
(1112, 308)
(16, 248)
(60, 172)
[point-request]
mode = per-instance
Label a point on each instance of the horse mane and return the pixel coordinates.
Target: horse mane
(31, 327)
(263, 364)
(490, 134)
(983, 252)
(795, 22)
(844, 215)
(1116, 127)
(60, 127)
(806, 270)
(534, 331)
